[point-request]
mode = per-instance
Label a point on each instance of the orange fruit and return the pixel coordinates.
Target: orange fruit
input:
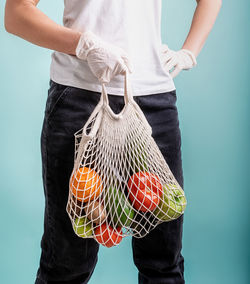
(85, 184)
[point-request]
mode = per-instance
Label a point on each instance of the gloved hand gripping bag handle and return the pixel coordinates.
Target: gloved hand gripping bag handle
(104, 104)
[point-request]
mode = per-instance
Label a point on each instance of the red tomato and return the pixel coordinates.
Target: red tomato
(107, 236)
(145, 191)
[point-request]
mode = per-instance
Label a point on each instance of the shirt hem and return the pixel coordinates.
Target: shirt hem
(112, 90)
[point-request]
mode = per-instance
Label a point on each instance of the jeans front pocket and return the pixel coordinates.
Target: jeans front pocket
(56, 94)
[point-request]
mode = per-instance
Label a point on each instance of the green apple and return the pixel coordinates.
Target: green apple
(172, 204)
(82, 227)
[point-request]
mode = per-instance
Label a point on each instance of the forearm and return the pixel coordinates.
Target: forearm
(202, 23)
(24, 19)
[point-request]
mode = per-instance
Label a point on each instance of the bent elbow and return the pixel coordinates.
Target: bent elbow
(9, 19)
(13, 17)
(6, 22)
(8, 27)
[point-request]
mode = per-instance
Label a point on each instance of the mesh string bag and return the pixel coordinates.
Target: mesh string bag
(121, 184)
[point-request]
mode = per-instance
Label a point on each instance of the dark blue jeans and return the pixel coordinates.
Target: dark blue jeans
(66, 258)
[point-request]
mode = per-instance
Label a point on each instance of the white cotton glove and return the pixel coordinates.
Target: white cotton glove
(104, 59)
(177, 60)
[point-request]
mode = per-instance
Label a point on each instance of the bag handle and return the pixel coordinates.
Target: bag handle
(104, 101)
(128, 97)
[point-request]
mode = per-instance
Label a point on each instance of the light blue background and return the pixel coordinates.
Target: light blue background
(213, 101)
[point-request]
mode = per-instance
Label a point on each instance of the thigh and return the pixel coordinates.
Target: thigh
(65, 257)
(158, 254)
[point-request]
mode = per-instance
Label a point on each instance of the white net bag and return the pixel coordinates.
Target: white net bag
(121, 184)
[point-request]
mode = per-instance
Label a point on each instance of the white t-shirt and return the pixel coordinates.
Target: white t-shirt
(135, 26)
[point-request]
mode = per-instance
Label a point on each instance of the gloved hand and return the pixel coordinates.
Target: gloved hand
(104, 59)
(177, 60)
